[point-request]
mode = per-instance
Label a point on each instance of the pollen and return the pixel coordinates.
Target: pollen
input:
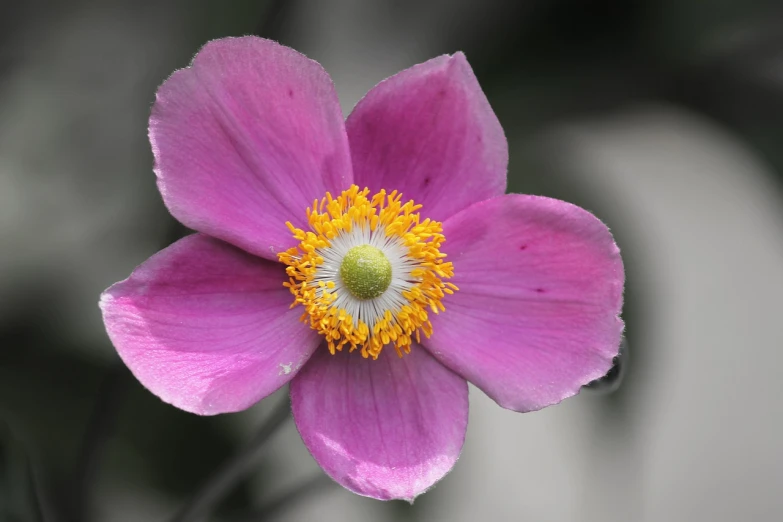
(368, 271)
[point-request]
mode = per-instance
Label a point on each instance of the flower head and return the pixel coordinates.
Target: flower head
(368, 270)
(374, 263)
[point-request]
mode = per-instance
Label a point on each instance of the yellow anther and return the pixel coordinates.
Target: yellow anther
(382, 213)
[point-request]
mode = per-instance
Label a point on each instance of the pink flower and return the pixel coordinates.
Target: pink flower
(396, 305)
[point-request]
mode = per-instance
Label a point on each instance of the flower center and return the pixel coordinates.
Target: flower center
(368, 271)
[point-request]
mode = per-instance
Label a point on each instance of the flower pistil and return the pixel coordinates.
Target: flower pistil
(367, 271)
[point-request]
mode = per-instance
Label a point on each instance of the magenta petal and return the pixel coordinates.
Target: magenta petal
(540, 289)
(245, 139)
(430, 133)
(387, 429)
(207, 327)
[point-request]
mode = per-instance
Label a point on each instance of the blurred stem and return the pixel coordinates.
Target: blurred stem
(22, 479)
(234, 470)
(272, 18)
(316, 484)
(241, 465)
(96, 435)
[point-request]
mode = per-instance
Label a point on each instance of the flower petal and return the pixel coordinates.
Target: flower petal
(245, 139)
(207, 327)
(387, 428)
(540, 289)
(430, 133)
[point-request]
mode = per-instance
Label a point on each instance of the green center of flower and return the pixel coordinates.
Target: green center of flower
(366, 272)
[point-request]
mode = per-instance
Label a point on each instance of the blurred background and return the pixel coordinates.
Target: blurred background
(663, 117)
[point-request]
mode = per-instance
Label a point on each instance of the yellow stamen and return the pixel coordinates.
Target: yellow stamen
(383, 213)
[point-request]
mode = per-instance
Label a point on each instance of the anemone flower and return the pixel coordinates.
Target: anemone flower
(375, 263)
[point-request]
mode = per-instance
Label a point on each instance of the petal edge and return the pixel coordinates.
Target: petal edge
(245, 139)
(536, 316)
(207, 327)
(430, 133)
(388, 428)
